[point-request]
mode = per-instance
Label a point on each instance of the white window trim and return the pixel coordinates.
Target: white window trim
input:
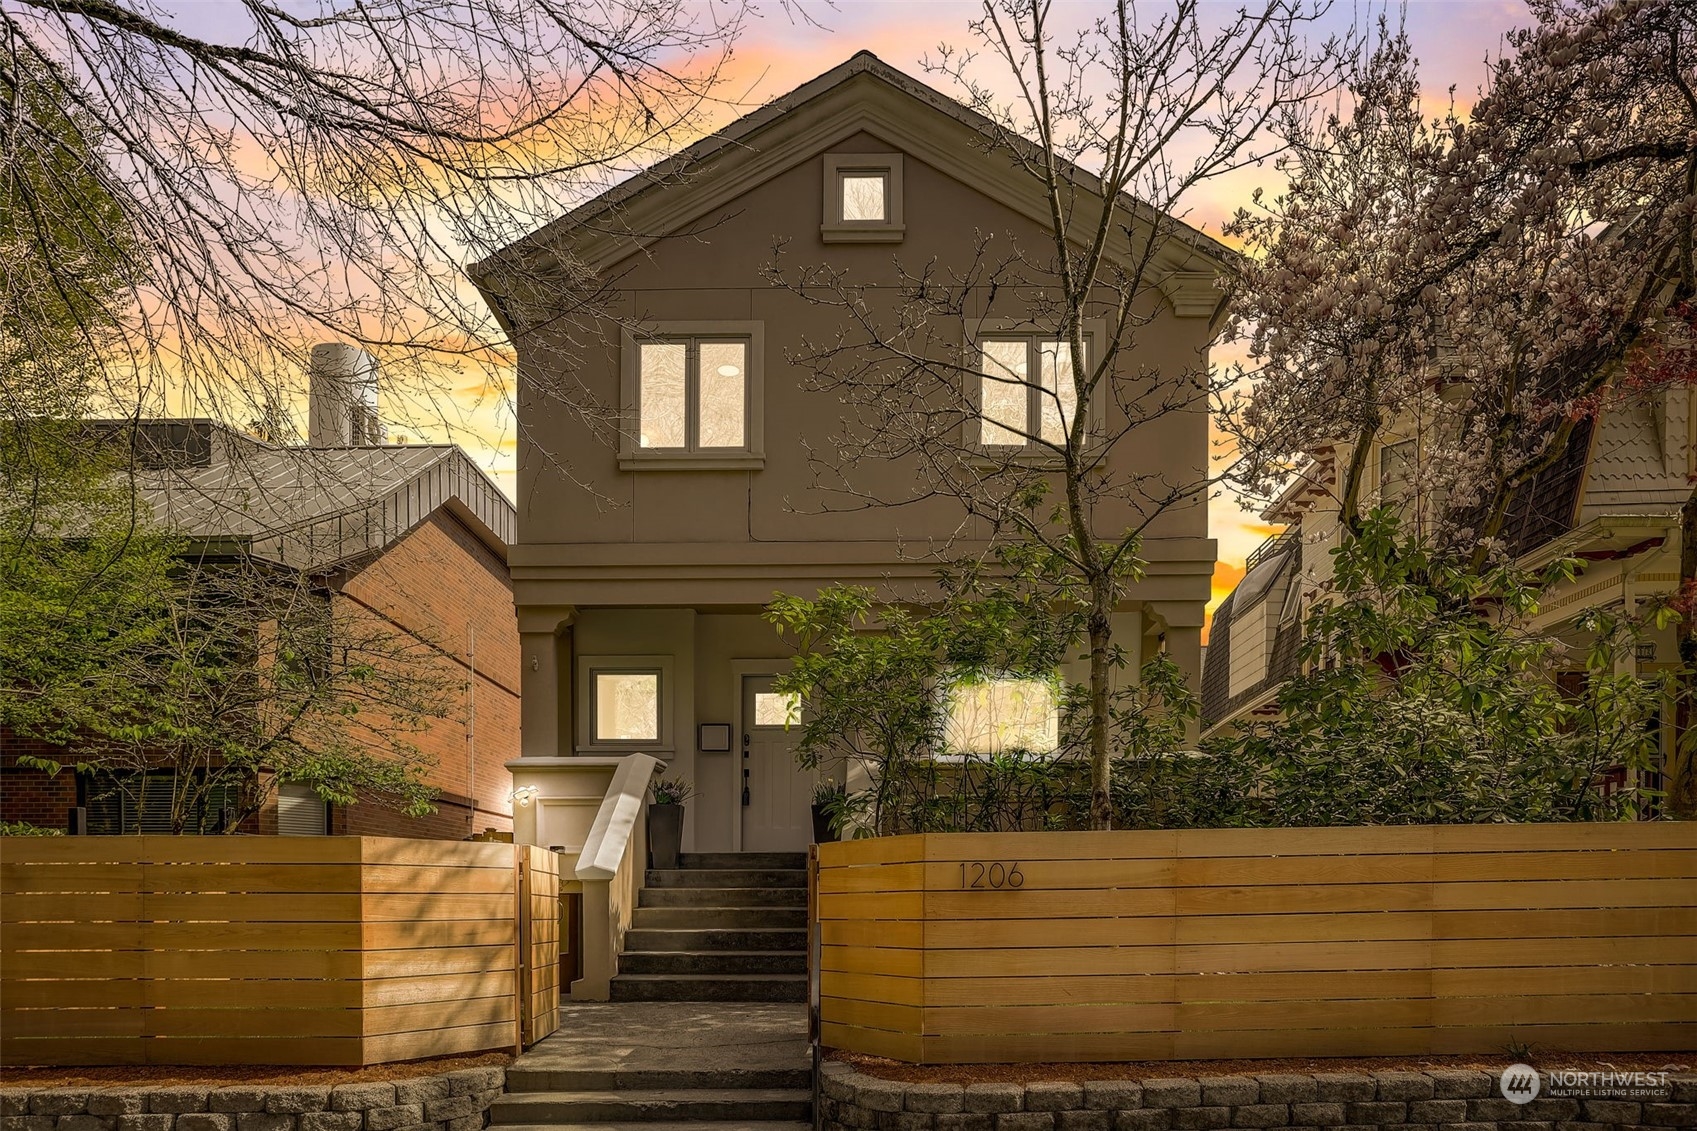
(1095, 333)
(634, 457)
(587, 668)
(833, 228)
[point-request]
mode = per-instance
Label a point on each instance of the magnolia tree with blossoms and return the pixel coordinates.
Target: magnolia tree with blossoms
(1495, 274)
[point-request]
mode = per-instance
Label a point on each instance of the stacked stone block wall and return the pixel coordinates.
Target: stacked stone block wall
(1435, 1100)
(453, 1101)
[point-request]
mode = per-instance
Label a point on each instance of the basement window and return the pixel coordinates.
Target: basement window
(863, 198)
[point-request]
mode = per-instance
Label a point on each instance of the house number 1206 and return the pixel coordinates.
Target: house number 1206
(975, 874)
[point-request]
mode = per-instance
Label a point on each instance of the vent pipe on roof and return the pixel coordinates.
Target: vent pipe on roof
(342, 398)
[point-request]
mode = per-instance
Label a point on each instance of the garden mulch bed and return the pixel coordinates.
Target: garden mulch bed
(152, 1075)
(1158, 1069)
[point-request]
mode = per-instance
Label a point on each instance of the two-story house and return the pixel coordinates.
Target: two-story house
(667, 434)
(1611, 500)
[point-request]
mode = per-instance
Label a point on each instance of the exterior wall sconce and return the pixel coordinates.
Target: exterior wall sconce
(523, 795)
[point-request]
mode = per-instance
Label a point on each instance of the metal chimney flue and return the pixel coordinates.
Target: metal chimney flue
(342, 397)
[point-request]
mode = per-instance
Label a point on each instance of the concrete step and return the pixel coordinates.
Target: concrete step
(788, 860)
(739, 1106)
(722, 897)
(713, 962)
(717, 918)
(709, 987)
(726, 878)
(601, 1080)
(717, 939)
(669, 1125)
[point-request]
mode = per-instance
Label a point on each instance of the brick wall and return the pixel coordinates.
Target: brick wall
(30, 795)
(444, 586)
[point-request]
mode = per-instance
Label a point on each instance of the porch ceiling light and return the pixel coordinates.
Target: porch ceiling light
(729, 370)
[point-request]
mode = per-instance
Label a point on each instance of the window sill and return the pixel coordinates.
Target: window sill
(1026, 459)
(862, 233)
(605, 749)
(692, 461)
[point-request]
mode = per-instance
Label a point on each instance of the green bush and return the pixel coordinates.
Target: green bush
(24, 828)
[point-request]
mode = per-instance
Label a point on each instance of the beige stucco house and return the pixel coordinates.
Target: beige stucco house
(665, 488)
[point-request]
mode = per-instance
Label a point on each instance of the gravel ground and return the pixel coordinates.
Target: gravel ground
(146, 1076)
(1155, 1069)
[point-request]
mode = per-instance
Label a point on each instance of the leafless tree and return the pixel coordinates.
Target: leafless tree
(1115, 128)
(275, 175)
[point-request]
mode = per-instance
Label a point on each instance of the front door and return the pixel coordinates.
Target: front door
(778, 794)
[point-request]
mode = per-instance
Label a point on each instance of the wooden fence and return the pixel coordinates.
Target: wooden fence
(285, 950)
(984, 948)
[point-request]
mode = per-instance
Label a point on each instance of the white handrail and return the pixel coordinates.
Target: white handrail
(610, 835)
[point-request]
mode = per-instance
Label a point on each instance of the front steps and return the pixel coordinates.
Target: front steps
(720, 927)
(664, 1067)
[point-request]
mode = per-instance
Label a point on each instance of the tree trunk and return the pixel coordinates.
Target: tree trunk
(1101, 641)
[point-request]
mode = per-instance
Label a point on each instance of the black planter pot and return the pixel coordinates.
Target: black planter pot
(665, 835)
(822, 833)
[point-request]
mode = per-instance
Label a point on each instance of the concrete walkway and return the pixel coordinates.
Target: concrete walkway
(690, 1064)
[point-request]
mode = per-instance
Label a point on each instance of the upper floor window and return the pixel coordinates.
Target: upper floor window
(1027, 394)
(692, 392)
(863, 198)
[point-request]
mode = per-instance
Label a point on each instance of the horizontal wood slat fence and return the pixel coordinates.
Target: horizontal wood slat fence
(1017, 947)
(273, 950)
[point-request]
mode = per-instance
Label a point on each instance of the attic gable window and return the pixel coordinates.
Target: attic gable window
(863, 198)
(692, 394)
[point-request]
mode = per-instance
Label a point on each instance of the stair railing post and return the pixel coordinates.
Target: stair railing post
(814, 957)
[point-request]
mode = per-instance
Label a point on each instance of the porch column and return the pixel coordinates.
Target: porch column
(1176, 626)
(544, 704)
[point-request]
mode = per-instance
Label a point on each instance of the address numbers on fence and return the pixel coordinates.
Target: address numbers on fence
(991, 874)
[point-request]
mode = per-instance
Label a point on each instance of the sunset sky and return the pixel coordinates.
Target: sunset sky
(782, 49)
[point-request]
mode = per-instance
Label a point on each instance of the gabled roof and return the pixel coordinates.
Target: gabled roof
(862, 94)
(308, 508)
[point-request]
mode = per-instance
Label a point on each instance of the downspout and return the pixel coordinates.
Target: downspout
(471, 730)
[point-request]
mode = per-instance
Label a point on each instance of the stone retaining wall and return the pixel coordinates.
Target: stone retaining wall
(453, 1101)
(1459, 1099)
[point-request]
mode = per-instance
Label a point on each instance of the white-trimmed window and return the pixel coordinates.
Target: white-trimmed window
(693, 393)
(1027, 393)
(993, 716)
(863, 198)
(625, 702)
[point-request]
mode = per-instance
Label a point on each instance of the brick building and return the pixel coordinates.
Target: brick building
(415, 535)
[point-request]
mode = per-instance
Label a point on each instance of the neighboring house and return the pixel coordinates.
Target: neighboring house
(413, 534)
(1612, 500)
(665, 490)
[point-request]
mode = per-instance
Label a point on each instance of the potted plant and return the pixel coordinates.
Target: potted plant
(829, 797)
(666, 820)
